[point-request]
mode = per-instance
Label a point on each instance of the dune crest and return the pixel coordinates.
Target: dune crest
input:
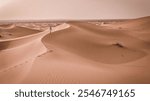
(79, 52)
(19, 52)
(87, 53)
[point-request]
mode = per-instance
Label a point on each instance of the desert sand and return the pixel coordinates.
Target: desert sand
(78, 52)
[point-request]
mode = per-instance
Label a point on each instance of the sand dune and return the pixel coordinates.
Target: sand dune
(81, 53)
(19, 52)
(86, 53)
(88, 44)
(10, 33)
(16, 73)
(6, 26)
(16, 51)
(138, 28)
(139, 24)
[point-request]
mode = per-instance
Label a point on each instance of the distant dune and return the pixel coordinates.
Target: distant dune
(139, 28)
(137, 24)
(6, 26)
(14, 32)
(80, 52)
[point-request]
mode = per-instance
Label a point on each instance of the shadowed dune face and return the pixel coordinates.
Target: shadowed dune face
(15, 32)
(7, 44)
(6, 26)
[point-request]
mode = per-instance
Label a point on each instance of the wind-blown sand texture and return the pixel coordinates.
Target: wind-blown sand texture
(82, 53)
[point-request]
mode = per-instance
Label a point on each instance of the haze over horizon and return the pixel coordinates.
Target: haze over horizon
(73, 9)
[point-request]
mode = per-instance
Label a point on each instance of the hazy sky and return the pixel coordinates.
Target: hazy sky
(73, 9)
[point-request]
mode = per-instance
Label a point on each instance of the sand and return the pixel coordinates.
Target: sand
(87, 53)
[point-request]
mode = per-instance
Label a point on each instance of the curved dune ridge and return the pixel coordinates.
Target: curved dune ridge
(86, 53)
(79, 52)
(91, 45)
(18, 52)
(15, 52)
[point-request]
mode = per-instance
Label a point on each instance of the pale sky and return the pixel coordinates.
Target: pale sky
(73, 9)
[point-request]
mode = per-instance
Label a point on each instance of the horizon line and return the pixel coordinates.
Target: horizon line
(56, 20)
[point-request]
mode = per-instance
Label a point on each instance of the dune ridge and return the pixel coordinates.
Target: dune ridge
(82, 52)
(87, 53)
(13, 54)
(20, 52)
